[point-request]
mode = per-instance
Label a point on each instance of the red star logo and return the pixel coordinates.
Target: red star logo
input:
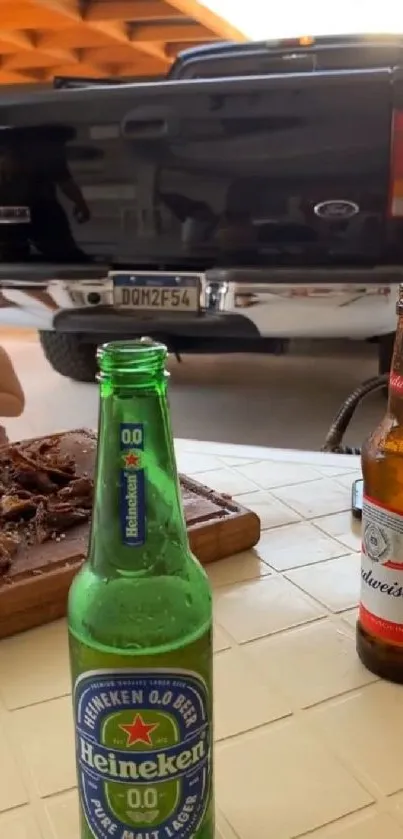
(131, 460)
(139, 731)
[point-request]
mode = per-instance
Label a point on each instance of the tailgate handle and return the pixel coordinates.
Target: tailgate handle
(144, 128)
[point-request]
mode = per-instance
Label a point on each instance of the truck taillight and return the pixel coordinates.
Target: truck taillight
(396, 167)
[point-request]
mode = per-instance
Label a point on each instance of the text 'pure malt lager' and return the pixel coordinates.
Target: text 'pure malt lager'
(380, 623)
(140, 625)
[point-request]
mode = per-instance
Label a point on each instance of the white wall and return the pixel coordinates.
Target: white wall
(260, 19)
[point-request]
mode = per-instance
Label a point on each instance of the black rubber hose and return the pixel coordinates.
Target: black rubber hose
(337, 430)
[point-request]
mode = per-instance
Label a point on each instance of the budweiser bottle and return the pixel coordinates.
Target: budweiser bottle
(380, 621)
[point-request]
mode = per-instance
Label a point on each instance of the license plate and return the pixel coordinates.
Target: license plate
(157, 292)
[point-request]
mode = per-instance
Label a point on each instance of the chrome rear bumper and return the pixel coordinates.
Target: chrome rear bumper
(279, 303)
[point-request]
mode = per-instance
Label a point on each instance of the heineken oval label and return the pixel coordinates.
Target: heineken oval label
(143, 742)
(132, 484)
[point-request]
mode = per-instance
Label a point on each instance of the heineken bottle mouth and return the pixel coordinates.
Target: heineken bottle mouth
(141, 355)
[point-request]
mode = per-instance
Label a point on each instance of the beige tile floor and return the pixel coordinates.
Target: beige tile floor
(308, 743)
(268, 401)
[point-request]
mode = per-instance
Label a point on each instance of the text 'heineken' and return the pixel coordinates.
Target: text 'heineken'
(140, 625)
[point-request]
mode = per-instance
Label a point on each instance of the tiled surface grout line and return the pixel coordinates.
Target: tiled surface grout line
(32, 798)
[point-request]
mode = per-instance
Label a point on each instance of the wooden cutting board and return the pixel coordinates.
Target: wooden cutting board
(36, 587)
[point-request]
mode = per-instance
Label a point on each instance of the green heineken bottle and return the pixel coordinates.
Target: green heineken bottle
(140, 625)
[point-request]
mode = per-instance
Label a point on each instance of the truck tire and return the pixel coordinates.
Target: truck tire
(69, 356)
(385, 352)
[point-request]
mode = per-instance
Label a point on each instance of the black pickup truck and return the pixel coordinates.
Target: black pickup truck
(252, 196)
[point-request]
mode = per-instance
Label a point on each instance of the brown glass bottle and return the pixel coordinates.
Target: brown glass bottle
(380, 621)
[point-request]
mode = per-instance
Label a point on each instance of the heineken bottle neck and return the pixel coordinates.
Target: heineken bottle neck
(138, 524)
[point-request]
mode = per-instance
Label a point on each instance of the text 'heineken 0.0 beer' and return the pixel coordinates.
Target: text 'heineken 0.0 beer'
(140, 625)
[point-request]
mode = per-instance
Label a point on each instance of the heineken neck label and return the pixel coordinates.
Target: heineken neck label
(143, 749)
(132, 484)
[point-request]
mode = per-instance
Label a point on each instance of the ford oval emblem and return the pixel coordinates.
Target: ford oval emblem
(336, 209)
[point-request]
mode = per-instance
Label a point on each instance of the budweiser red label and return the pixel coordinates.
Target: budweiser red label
(381, 606)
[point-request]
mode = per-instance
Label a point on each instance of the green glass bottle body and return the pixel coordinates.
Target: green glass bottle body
(140, 625)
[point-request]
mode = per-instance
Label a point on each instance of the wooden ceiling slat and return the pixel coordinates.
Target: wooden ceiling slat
(132, 10)
(119, 54)
(35, 14)
(69, 9)
(75, 37)
(165, 33)
(39, 38)
(15, 40)
(24, 60)
(116, 30)
(132, 70)
(19, 77)
(119, 32)
(82, 69)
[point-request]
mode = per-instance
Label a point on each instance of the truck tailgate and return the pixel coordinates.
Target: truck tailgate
(284, 169)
